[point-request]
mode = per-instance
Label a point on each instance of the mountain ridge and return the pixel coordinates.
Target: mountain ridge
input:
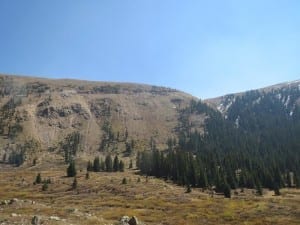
(41, 116)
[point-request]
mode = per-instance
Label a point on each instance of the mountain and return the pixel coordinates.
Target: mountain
(248, 139)
(287, 93)
(70, 117)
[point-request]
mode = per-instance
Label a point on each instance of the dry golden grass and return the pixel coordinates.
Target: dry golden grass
(102, 199)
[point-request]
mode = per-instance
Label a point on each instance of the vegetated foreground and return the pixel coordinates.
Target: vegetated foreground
(104, 198)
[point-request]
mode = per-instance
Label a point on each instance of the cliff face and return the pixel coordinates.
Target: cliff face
(41, 115)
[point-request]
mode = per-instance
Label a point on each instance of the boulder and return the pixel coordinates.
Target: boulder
(54, 218)
(14, 200)
(125, 220)
(5, 202)
(133, 221)
(35, 220)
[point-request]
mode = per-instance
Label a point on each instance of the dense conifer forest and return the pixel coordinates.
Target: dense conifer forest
(254, 144)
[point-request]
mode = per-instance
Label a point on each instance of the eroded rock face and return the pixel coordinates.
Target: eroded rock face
(49, 110)
(46, 110)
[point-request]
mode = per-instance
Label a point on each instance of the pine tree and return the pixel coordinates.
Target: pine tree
(259, 189)
(289, 179)
(102, 165)
(96, 166)
(121, 166)
(87, 176)
(116, 164)
(45, 187)
(108, 164)
(38, 179)
(227, 191)
(130, 164)
(276, 190)
(71, 170)
(137, 161)
(90, 166)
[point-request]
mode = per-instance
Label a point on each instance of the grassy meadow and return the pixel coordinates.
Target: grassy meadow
(104, 199)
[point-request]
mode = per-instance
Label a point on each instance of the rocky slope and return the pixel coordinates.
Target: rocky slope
(80, 117)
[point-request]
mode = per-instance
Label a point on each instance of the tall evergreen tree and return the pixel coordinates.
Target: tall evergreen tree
(121, 166)
(71, 170)
(116, 164)
(38, 179)
(90, 166)
(227, 192)
(96, 166)
(108, 163)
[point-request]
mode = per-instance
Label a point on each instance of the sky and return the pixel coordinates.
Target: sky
(206, 48)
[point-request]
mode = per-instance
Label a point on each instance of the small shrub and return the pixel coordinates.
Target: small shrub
(188, 189)
(45, 187)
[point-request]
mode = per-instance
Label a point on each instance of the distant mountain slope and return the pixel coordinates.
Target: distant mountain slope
(287, 93)
(81, 117)
(248, 139)
(255, 132)
(271, 116)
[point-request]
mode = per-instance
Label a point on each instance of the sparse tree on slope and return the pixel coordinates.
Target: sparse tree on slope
(71, 170)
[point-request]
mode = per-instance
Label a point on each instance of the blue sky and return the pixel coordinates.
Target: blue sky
(206, 48)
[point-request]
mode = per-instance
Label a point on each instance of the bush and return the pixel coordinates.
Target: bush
(188, 189)
(45, 187)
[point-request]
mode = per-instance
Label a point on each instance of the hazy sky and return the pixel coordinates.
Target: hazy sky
(207, 48)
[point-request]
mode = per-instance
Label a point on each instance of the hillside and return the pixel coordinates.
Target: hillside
(228, 160)
(39, 116)
(44, 118)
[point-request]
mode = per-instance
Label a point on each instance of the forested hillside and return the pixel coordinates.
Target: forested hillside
(251, 141)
